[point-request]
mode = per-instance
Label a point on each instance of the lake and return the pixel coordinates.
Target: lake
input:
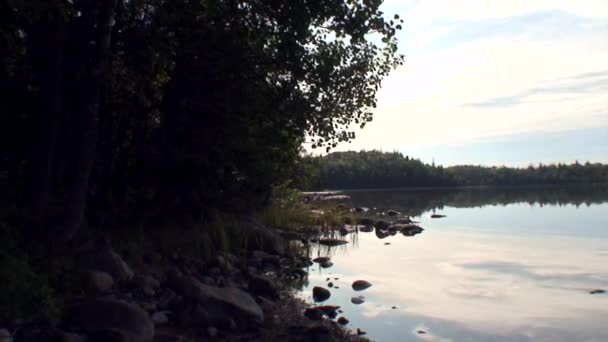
(503, 265)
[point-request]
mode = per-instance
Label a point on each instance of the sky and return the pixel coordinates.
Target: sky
(495, 83)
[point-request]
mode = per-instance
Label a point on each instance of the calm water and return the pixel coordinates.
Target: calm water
(504, 265)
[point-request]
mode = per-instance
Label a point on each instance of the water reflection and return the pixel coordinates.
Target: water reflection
(504, 269)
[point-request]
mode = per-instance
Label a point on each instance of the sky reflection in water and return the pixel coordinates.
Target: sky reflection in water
(515, 272)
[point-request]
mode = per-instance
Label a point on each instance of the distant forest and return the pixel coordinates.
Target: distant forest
(376, 169)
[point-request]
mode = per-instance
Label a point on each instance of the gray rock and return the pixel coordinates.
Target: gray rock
(106, 260)
(5, 336)
(147, 284)
(226, 300)
(99, 282)
(320, 294)
(161, 317)
(360, 285)
(262, 285)
(69, 337)
(357, 300)
(98, 315)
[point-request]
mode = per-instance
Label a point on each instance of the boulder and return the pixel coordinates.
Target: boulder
(360, 285)
(411, 230)
(382, 233)
(99, 282)
(406, 220)
(261, 285)
(229, 300)
(99, 315)
(107, 260)
(320, 294)
(147, 284)
(366, 229)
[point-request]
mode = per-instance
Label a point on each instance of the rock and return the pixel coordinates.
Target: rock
(262, 285)
(387, 243)
(394, 307)
(320, 294)
(421, 332)
(212, 332)
(98, 315)
(316, 313)
(332, 242)
(99, 282)
(326, 264)
(317, 333)
(411, 230)
(106, 260)
(228, 300)
(406, 220)
(160, 317)
(5, 336)
(393, 213)
(382, 234)
(147, 284)
(321, 259)
(597, 291)
(357, 300)
(437, 216)
(68, 337)
(360, 285)
(366, 229)
(360, 332)
(381, 224)
(365, 221)
(343, 320)
(330, 284)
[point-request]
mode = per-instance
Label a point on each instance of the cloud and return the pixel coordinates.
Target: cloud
(586, 83)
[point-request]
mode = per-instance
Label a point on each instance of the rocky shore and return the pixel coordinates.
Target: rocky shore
(171, 298)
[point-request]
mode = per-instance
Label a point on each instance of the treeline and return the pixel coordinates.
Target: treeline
(154, 110)
(375, 169)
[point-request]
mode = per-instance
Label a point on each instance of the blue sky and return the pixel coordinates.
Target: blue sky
(496, 82)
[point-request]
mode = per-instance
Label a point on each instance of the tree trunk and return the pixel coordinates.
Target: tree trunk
(75, 208)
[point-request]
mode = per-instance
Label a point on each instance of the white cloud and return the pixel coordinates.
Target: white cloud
(423, 102)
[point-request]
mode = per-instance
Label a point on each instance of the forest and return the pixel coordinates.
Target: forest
(376, 169)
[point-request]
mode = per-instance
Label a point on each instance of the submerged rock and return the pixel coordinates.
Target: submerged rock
(437, 216)
(597, 291)
(320, 294)
(360, 285)
(357, 300)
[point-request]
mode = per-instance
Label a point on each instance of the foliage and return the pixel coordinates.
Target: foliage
(375, 169)
(155, 108)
